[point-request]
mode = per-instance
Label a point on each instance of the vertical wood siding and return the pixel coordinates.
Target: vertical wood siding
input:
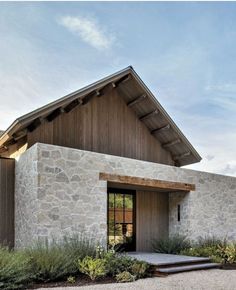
(105, 125)
(7, 179)
(152, 218)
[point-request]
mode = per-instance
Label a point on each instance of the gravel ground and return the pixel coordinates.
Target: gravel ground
(198, 280)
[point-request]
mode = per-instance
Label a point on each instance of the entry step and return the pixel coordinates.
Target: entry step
(185, 268)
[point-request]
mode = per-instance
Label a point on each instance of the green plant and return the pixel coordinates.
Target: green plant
(50, 261)
(15, 269)
(206, 247)
(171, 245)
(78, 247)
(210, 252)
(117, 263)
(55, 260)
(227, 253)
(93, 267)
(209, 242)
(139, 269)
(71, 279)
(125, 277)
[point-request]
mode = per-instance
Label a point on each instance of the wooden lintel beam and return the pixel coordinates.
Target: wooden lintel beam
(161, 129)
(35, 124)
(136, 100)
(181, 156)
(149, 115)
(146, 182)
(172, 143)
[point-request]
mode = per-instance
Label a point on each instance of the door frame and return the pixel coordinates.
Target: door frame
(123, 191)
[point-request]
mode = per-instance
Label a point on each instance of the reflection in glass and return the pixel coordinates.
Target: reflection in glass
(120, 220)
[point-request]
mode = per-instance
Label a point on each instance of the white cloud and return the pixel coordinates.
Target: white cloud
(223, 88)
(89, 31)
(210, 157)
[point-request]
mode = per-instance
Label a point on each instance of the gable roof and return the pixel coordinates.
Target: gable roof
(136, 95)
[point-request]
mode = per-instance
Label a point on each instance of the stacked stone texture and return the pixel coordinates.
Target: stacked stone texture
(58, 193)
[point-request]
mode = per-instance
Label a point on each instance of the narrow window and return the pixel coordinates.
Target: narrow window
(178, 212)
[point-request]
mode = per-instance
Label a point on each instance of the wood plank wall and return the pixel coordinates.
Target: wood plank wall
(105, 125)
(152, 218)
(7, 179)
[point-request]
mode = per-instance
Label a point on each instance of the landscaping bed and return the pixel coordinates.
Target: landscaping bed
(70, 262)
(218, 250)
(81, 280)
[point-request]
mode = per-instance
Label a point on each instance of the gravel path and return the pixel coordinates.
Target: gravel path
(198, 280)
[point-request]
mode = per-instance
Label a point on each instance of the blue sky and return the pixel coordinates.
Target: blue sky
(184, 51)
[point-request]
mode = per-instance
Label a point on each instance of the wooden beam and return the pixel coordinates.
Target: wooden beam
(149, 115)
(54, 114)
(72, 105)
(161, 129)
(121, 80)
(35, 124)
(3, 149)
(88, 97)
(172, 143)
(20, 134)
(146, 182)
(136, 100)
(181, 156)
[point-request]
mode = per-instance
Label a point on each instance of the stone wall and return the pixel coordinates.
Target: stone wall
(58, 192)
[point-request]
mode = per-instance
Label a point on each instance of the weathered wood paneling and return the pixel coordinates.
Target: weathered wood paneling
(152, 218)
(106, 125)
(7, 179)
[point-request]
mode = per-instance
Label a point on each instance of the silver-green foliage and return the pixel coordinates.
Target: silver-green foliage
(171, 245)
(15, 269)
(55, 260)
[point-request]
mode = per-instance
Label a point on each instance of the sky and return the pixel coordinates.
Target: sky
(185, 52)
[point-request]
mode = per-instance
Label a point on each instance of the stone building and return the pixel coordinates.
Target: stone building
(106, 161)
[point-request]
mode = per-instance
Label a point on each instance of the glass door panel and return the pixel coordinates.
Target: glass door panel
(121, 219)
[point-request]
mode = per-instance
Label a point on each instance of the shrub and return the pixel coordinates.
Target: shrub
(206, 247)
(210, 252)
(125, 277)
(50, 261)
(172, 245)
(78, 247)
(15, 269)
(117, 263)
(93, 267)
(121, 263)
(209, 242)
(56, 260)
(139, 269)
(227, 253)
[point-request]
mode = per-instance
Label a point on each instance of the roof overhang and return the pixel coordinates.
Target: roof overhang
(137, 96)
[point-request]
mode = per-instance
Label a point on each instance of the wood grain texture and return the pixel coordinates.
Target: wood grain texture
(7, 179)
(147, 182)
(152, 218)
(105, 125)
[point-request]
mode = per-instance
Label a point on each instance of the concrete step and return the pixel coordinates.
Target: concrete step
(185, 268)
(177, 263)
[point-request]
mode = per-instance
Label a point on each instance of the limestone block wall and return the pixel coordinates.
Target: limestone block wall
(58, 192)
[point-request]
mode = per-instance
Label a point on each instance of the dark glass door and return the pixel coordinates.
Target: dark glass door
(121, 219)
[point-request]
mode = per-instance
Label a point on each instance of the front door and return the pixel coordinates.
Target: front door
(121, 219)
